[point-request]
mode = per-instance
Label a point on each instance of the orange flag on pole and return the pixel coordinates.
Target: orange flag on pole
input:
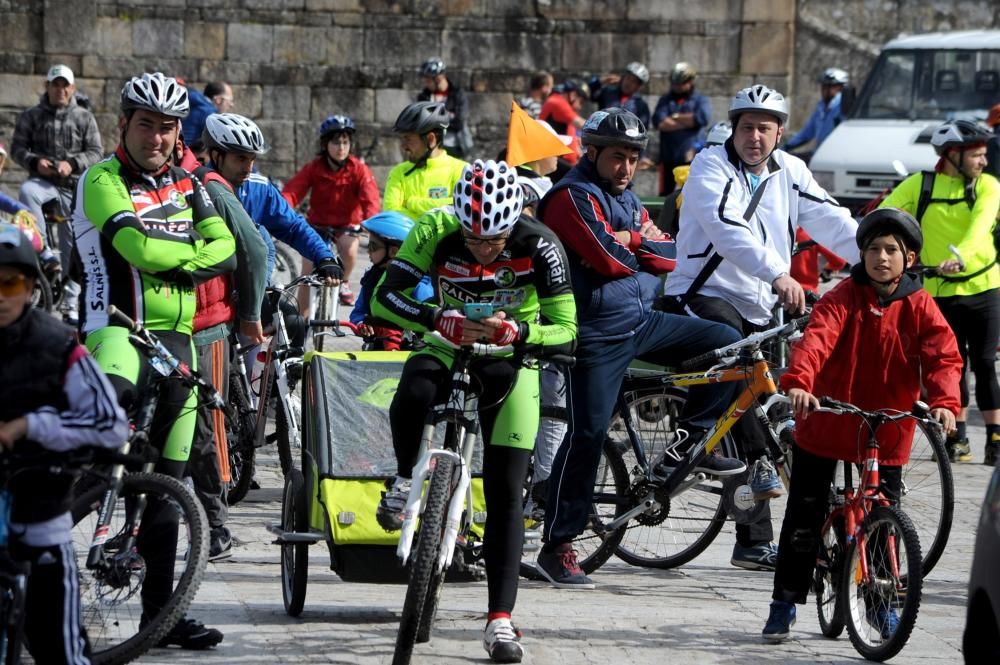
(529, 140)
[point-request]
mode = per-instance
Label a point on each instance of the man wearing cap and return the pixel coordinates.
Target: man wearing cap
(827, 114)
(622, 90)
(439, 88)
(562, 111)
(680, 116)
(55, 142)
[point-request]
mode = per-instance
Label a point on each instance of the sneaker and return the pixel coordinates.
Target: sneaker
(561, 568)
(502, 641)
(883, 619)
(191, 634)
(346, 295)
(764, 481)
(779, 621)
(959, 450)
(713, 464)
(220, 544)
(762, 556)
(389, 513)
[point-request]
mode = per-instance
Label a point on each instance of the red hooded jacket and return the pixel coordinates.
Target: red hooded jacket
(339, 198)
(873, 355)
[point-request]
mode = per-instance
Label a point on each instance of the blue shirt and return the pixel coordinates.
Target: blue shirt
(675, 146)
(820, 124)
(200, 108)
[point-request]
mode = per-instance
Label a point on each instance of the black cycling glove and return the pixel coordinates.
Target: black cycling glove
(330, 269)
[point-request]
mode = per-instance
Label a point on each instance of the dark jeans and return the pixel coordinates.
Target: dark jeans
(808, 502)
(749, 434)
(663, 339)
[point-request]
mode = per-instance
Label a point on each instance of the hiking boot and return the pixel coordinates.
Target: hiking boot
(389, 513)
(764, 481)
(884, 620)
(220, 544)
(762, 556)
(191, 634)
(502, 641)
(959, 450)
(779, 621)
(560, 567)
(346, 295)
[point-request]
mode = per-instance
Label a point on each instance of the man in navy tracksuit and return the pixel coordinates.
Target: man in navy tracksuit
(615, 255)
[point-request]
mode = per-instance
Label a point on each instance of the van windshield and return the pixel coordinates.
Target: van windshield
(930, 84)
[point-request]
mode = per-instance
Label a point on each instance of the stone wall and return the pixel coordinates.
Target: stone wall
(293, 62)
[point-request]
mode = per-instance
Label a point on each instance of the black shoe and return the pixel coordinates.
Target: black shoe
(220, 544)
(191, 634)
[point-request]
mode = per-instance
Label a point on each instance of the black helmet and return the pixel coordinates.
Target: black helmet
(432, 67)
(614, 126)
(422, 118)
(893, 221)
(16, 250)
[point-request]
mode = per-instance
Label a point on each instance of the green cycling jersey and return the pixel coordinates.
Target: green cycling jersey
(415, 190)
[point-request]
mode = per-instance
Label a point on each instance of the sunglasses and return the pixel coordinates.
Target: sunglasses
(472, 241)
(13, 285)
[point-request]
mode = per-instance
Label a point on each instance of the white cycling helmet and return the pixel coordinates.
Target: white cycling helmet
(719, 133)
(834, 76)
(157, 93)
(488, 198)
(761, 99)
(638, 70)
(231, 132)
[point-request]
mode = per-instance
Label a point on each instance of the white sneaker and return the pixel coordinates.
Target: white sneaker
(502, 641)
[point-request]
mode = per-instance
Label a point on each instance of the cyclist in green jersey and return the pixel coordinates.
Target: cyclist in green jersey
(426, 179)
(480, 251)
(147, 233)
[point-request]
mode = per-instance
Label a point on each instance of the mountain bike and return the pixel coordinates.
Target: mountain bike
(241, 425)
(444, 522)
(108, 513)
(868, 573)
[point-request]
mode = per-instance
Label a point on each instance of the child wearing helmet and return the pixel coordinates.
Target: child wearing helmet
(342, 192)
(879, 323)
(386, 233)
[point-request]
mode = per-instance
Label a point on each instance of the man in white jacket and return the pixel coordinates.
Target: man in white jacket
(743, 201)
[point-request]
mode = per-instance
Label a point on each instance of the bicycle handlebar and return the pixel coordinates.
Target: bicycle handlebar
(754, 339)
(478, 349)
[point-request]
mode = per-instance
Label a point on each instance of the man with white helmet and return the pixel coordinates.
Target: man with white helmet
(827, 114)
(622, 90)
(147, 234)
(743, 202)
(480, 251)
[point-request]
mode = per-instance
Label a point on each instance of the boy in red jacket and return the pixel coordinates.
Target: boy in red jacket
(871, 341)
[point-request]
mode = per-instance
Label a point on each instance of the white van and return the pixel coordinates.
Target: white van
(917, 83)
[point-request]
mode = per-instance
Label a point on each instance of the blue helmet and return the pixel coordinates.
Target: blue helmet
(391, 226)
(336, 124)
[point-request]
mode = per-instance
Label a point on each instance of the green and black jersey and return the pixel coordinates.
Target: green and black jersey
(529, 280)
(144, 242)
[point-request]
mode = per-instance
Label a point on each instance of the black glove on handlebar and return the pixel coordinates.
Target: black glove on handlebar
(330, 269)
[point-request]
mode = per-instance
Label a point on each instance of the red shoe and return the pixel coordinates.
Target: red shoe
(346, 295)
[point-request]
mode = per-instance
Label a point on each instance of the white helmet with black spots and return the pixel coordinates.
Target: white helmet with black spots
(761, 99)
(231, 132)
(157, 93)
(488, 198)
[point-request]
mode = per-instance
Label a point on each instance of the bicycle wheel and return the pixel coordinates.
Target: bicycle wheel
(286, 265)
(826, 581)
(241, 425)
(294, 557)
(674, 530)
(13, 592)
(424, 559)
(110, 598)
(595, 545)
(283, 434)
(928, 493)
(881, 608)
(324, 312)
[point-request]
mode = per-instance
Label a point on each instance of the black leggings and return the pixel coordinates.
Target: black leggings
(975, 320)
(808, 502)
(426, 381)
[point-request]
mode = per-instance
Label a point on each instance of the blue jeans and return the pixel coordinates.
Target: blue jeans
(663, 339)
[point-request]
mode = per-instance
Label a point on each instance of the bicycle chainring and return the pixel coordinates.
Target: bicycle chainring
(660, 510)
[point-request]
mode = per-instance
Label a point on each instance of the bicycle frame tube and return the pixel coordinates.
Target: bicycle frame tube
(274, 372)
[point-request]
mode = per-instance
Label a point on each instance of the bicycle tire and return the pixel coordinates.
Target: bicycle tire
(929, 493)
(114, 625)
(865, 600)
(242, 422)
(294, 557)
(283, 436)
(324, 312)
(826, 581)
(693, 518)
(595, 546)
(424, 558)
